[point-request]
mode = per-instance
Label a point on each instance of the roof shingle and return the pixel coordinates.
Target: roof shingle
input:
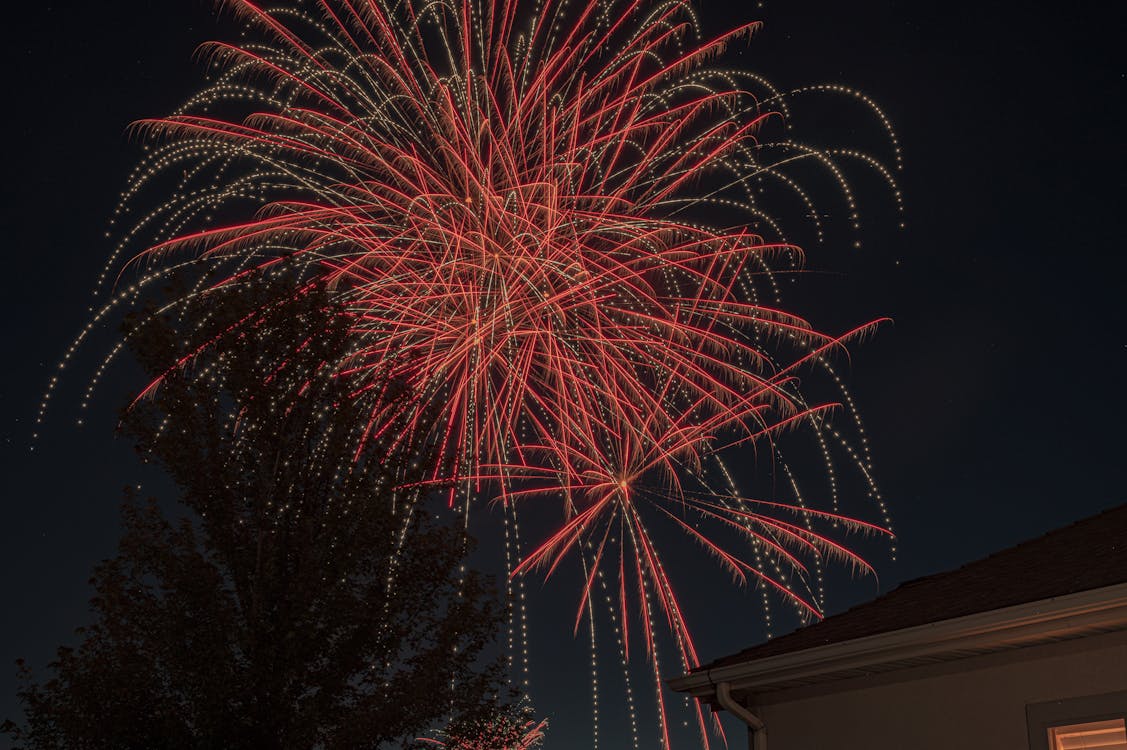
(1088, 554)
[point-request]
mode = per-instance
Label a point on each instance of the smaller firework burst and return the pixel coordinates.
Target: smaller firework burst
(497, 735)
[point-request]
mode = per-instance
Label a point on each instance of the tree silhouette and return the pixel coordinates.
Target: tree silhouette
(296, 599)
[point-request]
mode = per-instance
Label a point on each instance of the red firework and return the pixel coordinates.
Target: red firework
(524, 737)
(508, 201)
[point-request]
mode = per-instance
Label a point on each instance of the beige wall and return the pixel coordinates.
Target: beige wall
(970, 704)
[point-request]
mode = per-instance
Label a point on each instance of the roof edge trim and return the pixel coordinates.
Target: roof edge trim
(1096, 609)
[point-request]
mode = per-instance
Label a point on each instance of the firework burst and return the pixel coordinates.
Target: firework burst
(522, 736)
(511, 202)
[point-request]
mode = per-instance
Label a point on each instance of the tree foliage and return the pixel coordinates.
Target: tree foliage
(301, 601)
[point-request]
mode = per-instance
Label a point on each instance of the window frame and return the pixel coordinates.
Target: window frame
(1041, 717)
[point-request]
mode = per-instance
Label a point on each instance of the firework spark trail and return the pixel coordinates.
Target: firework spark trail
(503, 197)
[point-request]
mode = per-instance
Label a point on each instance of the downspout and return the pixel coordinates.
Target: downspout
(755, 725)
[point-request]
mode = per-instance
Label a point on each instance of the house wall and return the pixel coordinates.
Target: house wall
(969, 704)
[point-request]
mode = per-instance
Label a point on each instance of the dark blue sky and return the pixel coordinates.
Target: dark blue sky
(995, 401)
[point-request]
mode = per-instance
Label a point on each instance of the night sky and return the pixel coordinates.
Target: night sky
(994, 400)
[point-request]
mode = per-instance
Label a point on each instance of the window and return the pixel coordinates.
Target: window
(1091, 722)
(1105, 735)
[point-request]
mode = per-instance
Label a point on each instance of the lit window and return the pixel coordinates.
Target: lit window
(1104, 735)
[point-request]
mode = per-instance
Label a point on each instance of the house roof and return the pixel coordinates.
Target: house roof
(1089, 554)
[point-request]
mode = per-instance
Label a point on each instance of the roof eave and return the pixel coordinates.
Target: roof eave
(1096, 610)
